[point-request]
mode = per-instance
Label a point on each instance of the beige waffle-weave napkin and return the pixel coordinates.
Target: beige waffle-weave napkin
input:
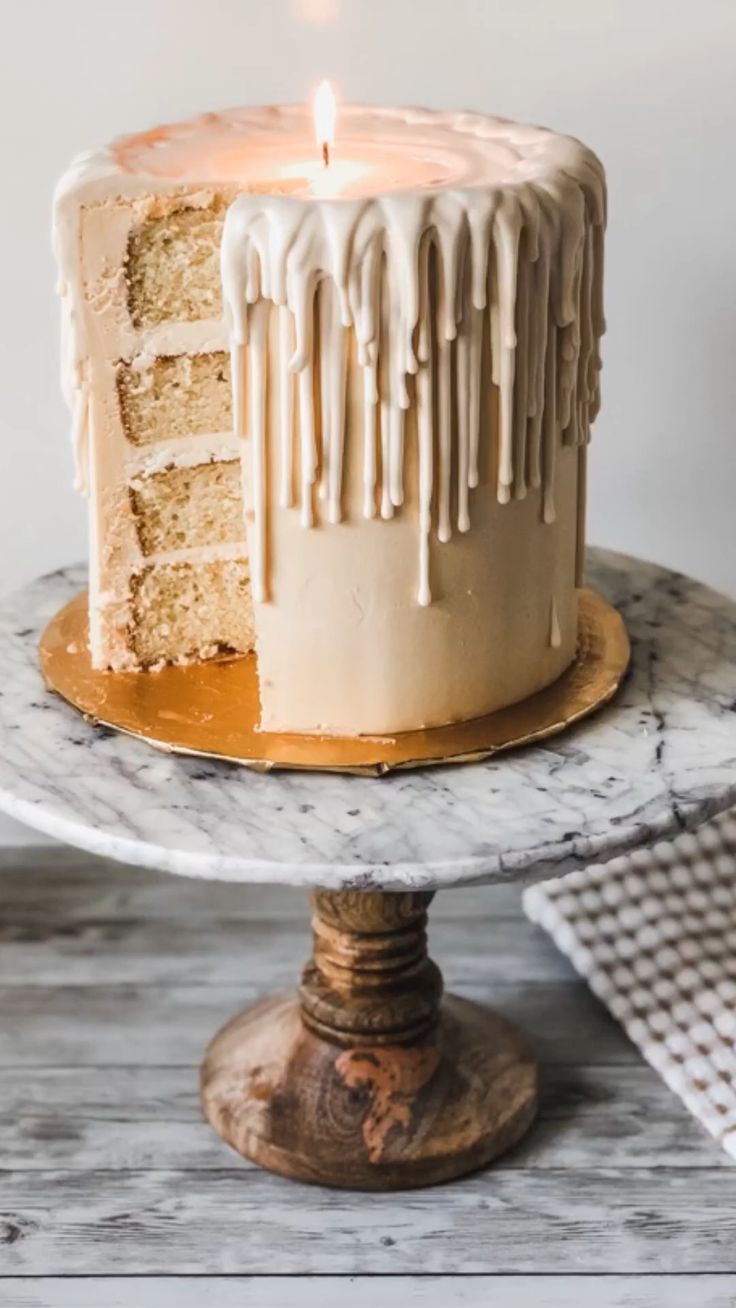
(654, 935)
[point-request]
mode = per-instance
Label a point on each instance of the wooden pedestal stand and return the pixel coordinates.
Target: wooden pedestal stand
(368, 1080)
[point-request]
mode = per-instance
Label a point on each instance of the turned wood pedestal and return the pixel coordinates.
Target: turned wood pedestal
(369, 1079)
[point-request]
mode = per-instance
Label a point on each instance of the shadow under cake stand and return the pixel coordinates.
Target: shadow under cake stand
(368, 1078)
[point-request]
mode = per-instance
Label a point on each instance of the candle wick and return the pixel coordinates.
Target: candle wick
(325, 154)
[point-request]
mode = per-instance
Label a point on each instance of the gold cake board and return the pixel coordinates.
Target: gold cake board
(212, 708)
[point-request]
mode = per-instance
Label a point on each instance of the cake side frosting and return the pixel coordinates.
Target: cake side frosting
(150, 399)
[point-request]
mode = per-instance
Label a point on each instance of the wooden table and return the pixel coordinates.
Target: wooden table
(116, 1193)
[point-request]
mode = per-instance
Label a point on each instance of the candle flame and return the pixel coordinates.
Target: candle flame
(325, 115)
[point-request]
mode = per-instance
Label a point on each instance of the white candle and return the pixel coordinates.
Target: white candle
(325, 118)
(337, 178)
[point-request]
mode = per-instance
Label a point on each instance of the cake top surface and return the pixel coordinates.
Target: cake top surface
(378, 151)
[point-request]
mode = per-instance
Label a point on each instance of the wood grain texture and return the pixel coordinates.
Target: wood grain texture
(108, 950)
(369, 1116)
(370, 980)
(41, 880)
(122, 1025)
(129, 1117)
(114, 1190)
(368, 1081)
(231, 1220)
(415, 1292)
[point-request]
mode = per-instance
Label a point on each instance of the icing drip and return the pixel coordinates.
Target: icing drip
(555, 635)
(423, 281)
(370, 399)
(74, 382)
(80, 437)
(257, 392)
(286, 408)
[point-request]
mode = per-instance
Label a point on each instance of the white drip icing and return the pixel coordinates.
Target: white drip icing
(258, 358)
(80, 437)
(555, 635)
(420, 277)
(286, 410)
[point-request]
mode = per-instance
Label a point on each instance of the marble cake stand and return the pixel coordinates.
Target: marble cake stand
(366, 1079)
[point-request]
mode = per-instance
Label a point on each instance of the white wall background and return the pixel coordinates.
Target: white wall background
(650, 84)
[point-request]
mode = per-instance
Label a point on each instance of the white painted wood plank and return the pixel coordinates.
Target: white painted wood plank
(215, 950)
(170, 1025)
(57, 879)
(43, 883)
(135, 1118)
(409, 1292)
(618, 1117)
(245, 1221)
(114, 979)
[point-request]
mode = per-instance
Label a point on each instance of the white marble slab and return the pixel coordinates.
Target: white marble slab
(661, 759)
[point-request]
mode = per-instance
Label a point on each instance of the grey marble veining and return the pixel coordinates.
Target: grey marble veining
(660, 759)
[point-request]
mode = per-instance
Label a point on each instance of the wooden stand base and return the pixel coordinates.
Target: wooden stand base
(366, 1081)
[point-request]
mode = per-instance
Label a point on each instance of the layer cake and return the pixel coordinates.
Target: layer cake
(367, 457)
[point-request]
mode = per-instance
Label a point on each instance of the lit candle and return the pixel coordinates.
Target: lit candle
(327, 176)
(325, 115)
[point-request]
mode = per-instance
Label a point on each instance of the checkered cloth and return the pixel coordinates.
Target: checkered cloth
(654, 935)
